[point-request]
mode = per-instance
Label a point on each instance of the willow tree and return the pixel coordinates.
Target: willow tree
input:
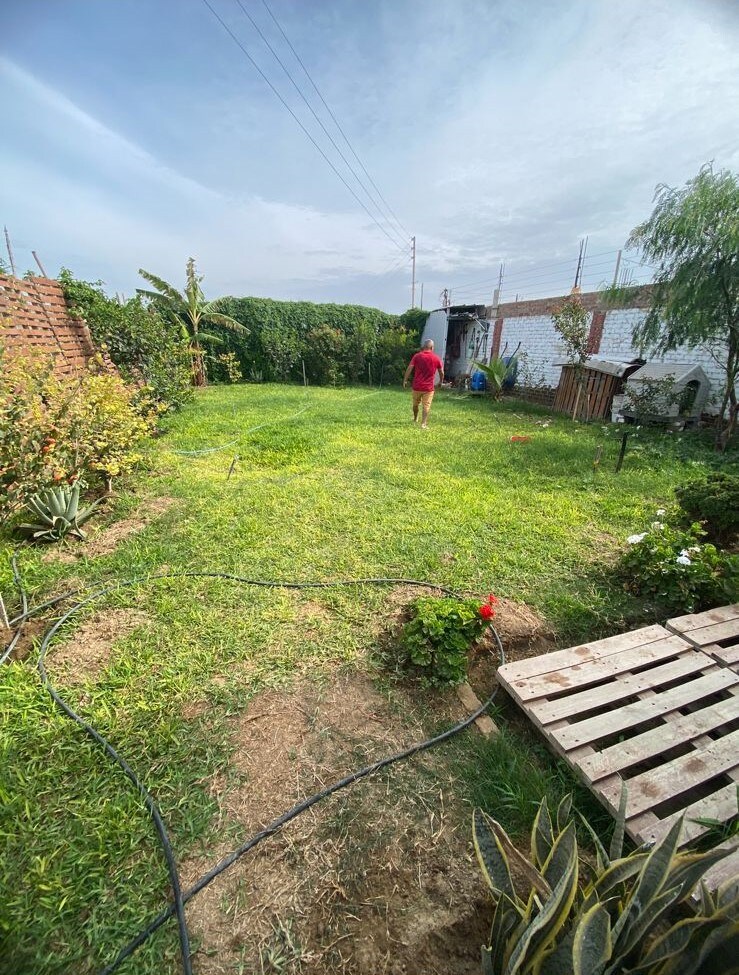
(190, 309)
(692, 239)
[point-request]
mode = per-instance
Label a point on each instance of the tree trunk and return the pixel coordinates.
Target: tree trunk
(725, 430)
(199, 377)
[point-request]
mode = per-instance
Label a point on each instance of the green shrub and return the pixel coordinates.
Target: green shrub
(147, 348)
(713, 501)
(435, 642)
(54, 430)
(58, 515)
(556, 912)
(678, 569)
(226, 368)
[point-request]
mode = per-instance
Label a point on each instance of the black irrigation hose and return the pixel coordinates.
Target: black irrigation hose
(24, 609)
(180, 898)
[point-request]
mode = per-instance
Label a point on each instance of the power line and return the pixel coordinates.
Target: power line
(336, 121)
(328, 135)
(295, 117)
(538, 267)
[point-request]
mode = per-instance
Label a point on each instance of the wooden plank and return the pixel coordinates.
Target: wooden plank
(676, 731)
(720, 805)
(724, 871)
(678, 776)
(472, 703)
(627, 685)
(695, 621)
(713, 634)
(591, 729)
(547, 662)
(726, 656)
(594, 671)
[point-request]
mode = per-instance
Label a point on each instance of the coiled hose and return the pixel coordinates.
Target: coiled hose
(180, 897)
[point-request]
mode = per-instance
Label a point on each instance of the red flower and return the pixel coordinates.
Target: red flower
(492, 600)
(487, 612)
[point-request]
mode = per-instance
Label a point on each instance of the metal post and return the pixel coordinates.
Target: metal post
(413, 282)
(619, 462)
(43, 272)
(10, 252)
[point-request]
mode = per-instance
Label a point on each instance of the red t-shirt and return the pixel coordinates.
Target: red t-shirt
(425, 365)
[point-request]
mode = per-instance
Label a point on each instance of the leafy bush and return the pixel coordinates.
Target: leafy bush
(55, 430)
(436, 640)
(146, 347)
(496, 372)
(675, 566)
(227, 369)
(547, 921)
(713, 501)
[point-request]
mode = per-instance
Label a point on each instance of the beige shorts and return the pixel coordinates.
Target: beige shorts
(419, 396)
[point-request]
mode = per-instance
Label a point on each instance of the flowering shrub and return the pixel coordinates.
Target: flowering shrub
(677, 568)
(436, 639)
(55, 430)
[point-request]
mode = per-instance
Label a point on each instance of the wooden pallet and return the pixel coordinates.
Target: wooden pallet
(716, 632)
(647, 708)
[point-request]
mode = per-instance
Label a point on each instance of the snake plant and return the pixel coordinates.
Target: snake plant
(557, 914)
(58, 513)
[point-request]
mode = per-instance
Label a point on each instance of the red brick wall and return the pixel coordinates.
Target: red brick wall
(34, 316)
(641, 298)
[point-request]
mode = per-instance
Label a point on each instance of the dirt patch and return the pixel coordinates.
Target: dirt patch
(377, 879)
(89, 649)
(107, 539)
(31, 631)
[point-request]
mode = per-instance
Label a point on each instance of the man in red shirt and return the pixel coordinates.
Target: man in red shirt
(424, 365)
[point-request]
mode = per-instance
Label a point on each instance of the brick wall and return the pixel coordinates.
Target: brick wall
(34, 316)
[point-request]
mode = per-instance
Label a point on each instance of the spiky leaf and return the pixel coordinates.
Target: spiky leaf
(542, 836)
(591, 947)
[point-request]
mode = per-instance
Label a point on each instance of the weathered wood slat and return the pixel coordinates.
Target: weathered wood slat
(720, 805)
(546, 663)
(604, 725)
(585, 674)
(625, 686)
(712, 634)
(694, 621)
(724, 871)
(679, 729)
(680, 775)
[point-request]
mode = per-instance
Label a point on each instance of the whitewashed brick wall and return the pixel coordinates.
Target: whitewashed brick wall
(544, 348)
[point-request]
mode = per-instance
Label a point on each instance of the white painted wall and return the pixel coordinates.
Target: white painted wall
(543, 347)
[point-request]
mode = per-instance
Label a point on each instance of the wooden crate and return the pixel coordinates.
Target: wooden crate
(647, 708)
(716, 632)
(596, 397)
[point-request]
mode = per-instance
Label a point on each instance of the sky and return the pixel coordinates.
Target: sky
(137, 133)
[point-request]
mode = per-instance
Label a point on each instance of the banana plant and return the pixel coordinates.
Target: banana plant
(59, 515)
(557, 914)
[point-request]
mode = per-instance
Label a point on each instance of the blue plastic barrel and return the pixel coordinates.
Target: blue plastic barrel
(478, 381)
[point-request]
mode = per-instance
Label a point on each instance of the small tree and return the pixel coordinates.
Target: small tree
(692, 237)
(190, 309)
(571, 324)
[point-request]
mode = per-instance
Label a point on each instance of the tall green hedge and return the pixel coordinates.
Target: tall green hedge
(336, 343)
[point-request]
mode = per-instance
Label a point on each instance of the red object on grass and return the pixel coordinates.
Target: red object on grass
(518, 439)
(492, 599)
(487, 612)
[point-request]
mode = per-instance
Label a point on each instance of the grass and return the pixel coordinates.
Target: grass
(328, 484)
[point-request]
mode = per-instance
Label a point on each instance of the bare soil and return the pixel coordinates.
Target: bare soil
(86, 653)
(106, 540)
(379, 879)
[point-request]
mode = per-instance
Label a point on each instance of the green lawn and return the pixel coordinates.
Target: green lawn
(328, 484)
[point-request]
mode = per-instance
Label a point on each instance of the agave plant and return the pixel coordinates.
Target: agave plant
(615, 919)
(58, 513)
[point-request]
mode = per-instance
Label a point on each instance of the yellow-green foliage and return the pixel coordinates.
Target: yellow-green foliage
(57, 430)
(556, 914)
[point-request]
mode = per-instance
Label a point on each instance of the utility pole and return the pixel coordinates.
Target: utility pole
(40, 265)
(413, 282)
(498, 290)
(444, 298)
(10, 252)
(580, 264)
(615, 273)
(421, 303)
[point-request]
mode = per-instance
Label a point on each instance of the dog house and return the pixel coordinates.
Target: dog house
(662, 391)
